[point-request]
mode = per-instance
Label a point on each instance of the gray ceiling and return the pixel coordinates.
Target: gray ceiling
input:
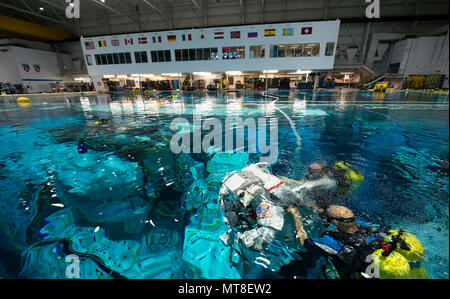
(120, 16)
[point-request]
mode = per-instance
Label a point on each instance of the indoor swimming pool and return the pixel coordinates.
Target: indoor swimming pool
(94, 180)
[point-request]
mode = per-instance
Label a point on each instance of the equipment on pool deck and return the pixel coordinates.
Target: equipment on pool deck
(381, 87)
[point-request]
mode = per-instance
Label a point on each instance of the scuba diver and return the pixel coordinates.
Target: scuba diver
(254, 201)
(82, 147)
(355, 250)
(331, 185)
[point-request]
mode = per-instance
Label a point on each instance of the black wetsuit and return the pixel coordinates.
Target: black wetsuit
(346, 252)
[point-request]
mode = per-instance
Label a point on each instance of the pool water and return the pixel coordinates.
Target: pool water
(132, 208)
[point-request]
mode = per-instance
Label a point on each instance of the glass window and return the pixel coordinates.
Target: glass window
(137, 57)
(116, 58)
(257, 51)
(122, 58)
(109, 58)
(128, 57)
(167, 55)
(160, 56)
(293, 50)
(185, 54)
(233, 53)
(177, 55)
(199, 54)
(311, 49)
(144, 57)
(104, 59)
(206, 54)
(214, 53)
(192, 54)
(154, 56)
(329, 49)
(89, 59)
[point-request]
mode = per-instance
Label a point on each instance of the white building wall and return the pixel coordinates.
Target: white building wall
(322, 32)
(37, 79)
(9, 72)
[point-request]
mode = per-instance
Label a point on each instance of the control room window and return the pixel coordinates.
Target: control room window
(141, 57)
(278, 51)
(233, 53)
(311, 49)
(89, 59)
(116, 58)
(128, 57)
(214, 53)
(257, 51)
(122, 58)
(104, 59)
(295, 50)
(329, 49)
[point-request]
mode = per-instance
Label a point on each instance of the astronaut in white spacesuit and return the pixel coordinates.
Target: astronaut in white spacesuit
(254, 202)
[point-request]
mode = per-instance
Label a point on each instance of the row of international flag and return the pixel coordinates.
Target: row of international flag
(288, 31)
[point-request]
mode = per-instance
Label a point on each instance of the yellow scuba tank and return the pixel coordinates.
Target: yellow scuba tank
(351, 175)
(411, 249)
(392, 266)
(416, 252)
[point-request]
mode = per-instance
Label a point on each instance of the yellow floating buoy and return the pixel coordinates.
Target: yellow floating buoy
(23, 100)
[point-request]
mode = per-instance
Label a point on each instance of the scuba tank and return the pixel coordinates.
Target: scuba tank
(400, 256)
(352, 177)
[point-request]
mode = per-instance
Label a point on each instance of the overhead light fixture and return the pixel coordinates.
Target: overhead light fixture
(234, 73)
(41, 8)
(270, 71)
(303, 72)
(201, 73)
(171, 74)
(122, 76)
(108, 76)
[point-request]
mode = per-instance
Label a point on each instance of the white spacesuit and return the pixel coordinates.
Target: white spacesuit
(254, 202)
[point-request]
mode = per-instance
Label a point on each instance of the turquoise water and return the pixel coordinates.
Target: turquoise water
(131, 208)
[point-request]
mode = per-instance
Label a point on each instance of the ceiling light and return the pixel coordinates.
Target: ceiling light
(234, 73)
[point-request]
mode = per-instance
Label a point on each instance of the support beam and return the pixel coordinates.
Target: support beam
(159, 12)
(34, 14)
(241, 4)
(28, 29)
(113, 10)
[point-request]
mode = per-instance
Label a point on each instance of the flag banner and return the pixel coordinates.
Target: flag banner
(269, 32)
(142, 40)
(26, 67)
(306, 30)
(252, 34)
(37, 67)
(102, 43)
(288, 31)
(202, 36)
(218, 35)
(235, 34)
(185, 37)
(115, 42)
(128, 41)
(171, 38)
(89, 45)
(159, 39)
